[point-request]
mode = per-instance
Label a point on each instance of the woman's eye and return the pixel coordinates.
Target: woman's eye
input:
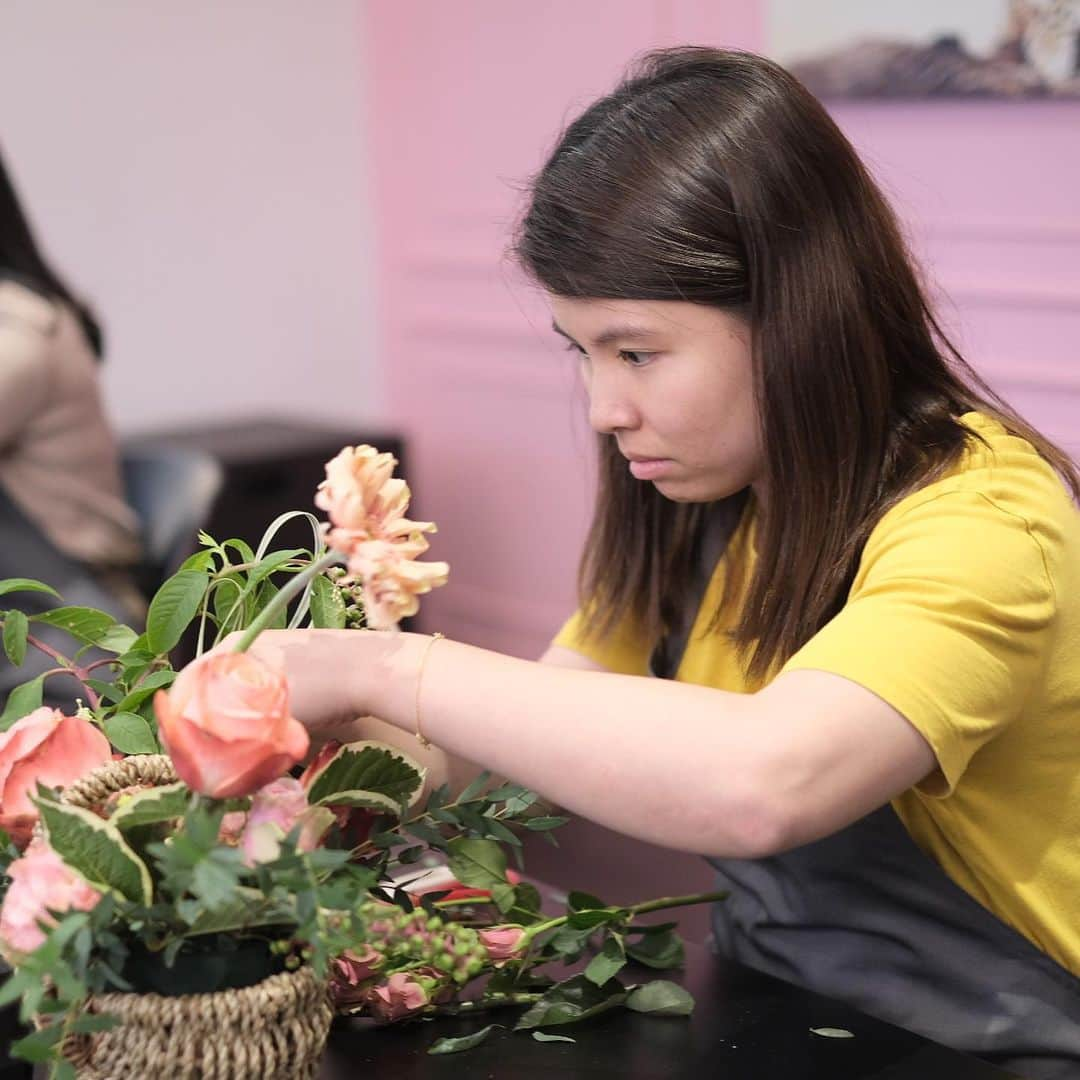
(634, 358)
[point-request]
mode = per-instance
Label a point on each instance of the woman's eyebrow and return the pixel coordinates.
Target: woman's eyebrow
(618, 332)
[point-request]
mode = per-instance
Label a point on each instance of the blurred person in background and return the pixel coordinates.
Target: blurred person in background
(63, 518)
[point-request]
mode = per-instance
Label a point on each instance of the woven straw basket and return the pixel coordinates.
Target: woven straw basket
(274, 1030)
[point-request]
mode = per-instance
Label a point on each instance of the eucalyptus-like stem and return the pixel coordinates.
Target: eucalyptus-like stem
(644, 908)
(279, 602)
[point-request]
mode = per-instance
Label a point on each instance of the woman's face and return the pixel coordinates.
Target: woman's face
(672, 382)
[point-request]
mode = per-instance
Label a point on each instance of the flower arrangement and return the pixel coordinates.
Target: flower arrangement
(168, 841)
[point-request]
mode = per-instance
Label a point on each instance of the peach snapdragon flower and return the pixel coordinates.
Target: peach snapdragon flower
(366, 505)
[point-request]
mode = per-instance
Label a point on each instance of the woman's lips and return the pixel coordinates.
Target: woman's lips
(650, 468)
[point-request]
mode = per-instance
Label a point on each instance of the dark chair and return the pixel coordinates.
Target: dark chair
(172, 489)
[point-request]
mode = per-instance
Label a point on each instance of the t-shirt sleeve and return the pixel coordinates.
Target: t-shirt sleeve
(947, 621)
(623, 651)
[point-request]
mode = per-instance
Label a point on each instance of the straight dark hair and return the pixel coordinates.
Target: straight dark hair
(21, 259)
(715, 177)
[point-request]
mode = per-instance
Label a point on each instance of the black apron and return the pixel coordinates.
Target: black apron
(866, 917)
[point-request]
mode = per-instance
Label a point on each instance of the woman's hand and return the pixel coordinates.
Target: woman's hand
(329, 671)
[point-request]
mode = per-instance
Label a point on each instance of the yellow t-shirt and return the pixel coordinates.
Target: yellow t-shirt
(965, 616)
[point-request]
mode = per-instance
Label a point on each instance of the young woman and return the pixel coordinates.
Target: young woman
(854, 569)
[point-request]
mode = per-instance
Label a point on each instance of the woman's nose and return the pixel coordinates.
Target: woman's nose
(610, 409)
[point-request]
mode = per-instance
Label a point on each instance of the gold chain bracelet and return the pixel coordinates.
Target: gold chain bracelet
(421, 738)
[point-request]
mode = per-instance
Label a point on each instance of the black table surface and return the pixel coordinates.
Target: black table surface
(746, 1026)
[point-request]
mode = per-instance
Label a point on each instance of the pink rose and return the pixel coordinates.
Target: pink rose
(503, 942)
(44, 747)
(350, 970)
(401, 995)
(275, 811)
(227, 725)
(41, 882)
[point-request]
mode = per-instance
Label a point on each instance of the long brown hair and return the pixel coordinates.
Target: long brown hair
(715, 177)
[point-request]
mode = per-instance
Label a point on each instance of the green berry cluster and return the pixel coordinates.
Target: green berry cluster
(407, 939)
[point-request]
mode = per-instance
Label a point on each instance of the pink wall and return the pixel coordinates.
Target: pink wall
(465, 100)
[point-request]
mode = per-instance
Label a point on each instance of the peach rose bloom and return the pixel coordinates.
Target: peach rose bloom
(41, 882)
(44, 747)
(227, 726)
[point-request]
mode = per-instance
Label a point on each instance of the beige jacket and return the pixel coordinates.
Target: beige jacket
(58, 458)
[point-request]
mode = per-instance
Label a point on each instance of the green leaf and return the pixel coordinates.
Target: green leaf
(833, 1033)
(244, 909)
(368, 774)
(657, 950)
(570, 1001)
(118, 638)
(87, 1023)
(464, 1042)
(227, 600)
(154, 681)
(85, 624)
(214, 879)
(543, 1036)
(24, 699)
(590, 920)
(527, 904)
(95, 850)
(241, 547)
(16, 627)
(503, 893)
(583, 901)
(266, 592)
(568, 942)
(155, 804)
(661, 998)
(174, 605)
(608, 962)
(37, 1047)
(477, 864)
(478, 784)
(201, 560)
(109, 693)
(496, 830)
(327, 604)
(25, 584)
(130, 734)
(542, 824)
